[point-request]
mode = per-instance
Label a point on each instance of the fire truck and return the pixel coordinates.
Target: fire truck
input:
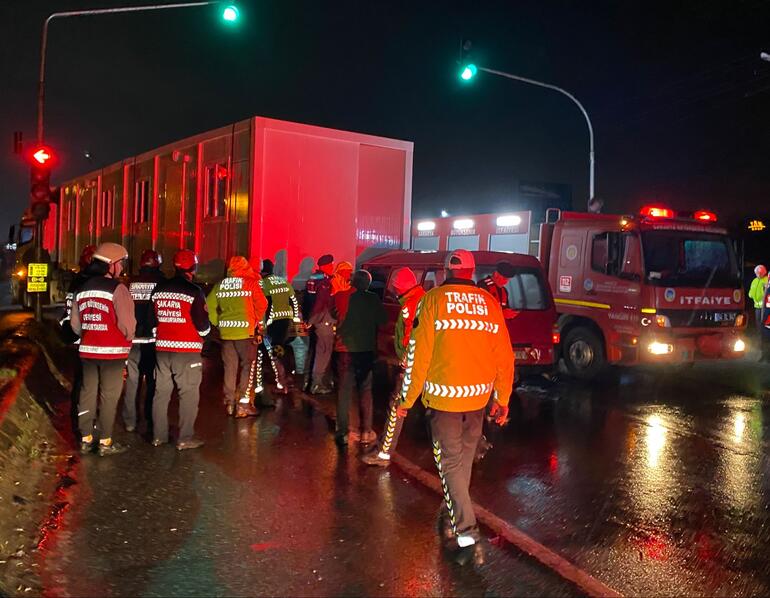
(654, 288)
(261, 188)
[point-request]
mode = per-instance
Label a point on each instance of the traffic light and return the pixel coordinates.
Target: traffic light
(40, 182)
(230, 13)
(468, 70)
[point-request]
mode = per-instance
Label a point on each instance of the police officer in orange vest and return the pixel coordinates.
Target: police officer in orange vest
(458, 356)
(182, 320)
(103, 317)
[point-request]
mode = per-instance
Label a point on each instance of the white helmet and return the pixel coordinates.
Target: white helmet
(110, 253)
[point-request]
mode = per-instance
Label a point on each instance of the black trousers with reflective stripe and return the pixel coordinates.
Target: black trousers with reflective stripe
(455, 438)
(185, 370)
(140, 364)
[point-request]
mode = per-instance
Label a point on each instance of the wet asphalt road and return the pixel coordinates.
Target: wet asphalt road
(656, 484)
(269, 506)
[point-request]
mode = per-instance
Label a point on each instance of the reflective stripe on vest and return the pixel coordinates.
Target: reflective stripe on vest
(451, 391)
(173, 297)
(233, 324)
(141, 291)
(225, 294)
(166, 344)
(455, 324)
(104, 350)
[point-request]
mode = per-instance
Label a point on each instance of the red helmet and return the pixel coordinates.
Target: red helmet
(150, 258)
(87, 256)
(185, 260)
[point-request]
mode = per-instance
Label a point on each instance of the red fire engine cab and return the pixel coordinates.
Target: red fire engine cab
(655, 288)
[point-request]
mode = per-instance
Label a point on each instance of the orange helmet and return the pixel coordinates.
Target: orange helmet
(185, 260)
(150, 258)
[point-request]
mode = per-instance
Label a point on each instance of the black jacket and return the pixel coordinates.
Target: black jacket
(141, 287)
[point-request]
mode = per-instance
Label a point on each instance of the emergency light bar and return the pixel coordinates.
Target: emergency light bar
(656, 212)
(705, 216)
(426, 226)
(509, 220)
(462, 224)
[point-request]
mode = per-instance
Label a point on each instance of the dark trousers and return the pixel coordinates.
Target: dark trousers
(185, 370)
(758, 320)
(240, 357)
(355, 373)
(455, 438)
(322, 353)
(140, 364)
(100, 388)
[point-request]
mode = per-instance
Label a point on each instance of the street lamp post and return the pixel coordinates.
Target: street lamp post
(468, 71)
(229, 14)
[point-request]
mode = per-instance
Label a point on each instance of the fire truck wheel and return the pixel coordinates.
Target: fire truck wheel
(583, 353)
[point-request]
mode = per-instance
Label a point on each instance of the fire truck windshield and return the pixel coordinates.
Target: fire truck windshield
(687, 259)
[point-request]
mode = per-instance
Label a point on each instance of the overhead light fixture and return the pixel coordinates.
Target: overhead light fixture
(462, 224)
(509, 220)
(426, 226)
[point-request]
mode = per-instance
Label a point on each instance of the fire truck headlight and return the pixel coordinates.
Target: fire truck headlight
(739, 346)
(657, 348)
(740, 320)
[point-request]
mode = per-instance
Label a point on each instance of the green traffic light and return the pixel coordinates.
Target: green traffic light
(468, 72)
(230, 13)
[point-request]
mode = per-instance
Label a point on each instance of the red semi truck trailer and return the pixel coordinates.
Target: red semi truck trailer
(260, 187)
(647, 289)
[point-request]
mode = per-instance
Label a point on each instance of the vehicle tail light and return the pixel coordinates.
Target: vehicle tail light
(740, 320)
(657, 212)
(556, 337)
(705, 216)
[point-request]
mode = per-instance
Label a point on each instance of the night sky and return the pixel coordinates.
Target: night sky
(678, 95)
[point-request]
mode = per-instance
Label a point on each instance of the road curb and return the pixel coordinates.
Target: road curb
(571, 573)
(514, 536)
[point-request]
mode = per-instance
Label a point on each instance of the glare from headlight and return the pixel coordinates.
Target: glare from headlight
(739, 346)
(657, 348)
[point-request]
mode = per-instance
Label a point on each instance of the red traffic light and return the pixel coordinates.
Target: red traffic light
(42, 156)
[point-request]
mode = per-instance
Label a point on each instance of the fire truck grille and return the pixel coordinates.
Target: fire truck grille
(701, 318)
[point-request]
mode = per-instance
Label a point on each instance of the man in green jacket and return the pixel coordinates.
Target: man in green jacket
(757, 293)
(359, 313)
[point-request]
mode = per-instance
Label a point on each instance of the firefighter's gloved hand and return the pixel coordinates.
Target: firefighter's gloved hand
(401, 411)
(499, 413)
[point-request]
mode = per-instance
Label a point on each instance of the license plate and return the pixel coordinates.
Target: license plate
(521, 355)
(724, 317)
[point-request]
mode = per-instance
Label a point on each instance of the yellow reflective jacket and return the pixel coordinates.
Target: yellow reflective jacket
(459, 351)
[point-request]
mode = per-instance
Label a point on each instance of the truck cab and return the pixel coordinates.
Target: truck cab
(531, 329)
(655, 288)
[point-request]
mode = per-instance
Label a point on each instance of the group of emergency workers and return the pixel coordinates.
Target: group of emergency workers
(452, 345)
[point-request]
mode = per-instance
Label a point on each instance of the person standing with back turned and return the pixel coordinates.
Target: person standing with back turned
(103, 317)
(458, 355)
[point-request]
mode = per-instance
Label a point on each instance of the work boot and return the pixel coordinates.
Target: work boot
(86, 447)
(282, 389)
(246, 410)
(376, 457)
(130, 428)
(320, 389)
(158, 442)
(230, 409)
(341, 440)
(190, 443)
(265, 400)
(470, 554)
(106, 450)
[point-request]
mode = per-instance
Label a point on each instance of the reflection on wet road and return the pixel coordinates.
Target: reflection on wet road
(655, 485)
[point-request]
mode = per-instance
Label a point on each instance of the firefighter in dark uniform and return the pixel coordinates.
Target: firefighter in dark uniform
(86, 257)
(103, 317)
(317, 308)
(496, 283)
(181, 317)
(141, 360)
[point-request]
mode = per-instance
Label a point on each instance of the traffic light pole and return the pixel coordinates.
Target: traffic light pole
(591, 162)
(38, 241)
